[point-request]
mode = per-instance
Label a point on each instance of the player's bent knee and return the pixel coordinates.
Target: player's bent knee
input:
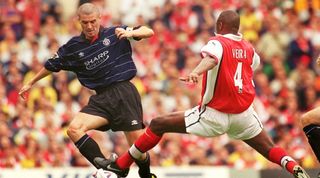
(75, 130)
(157, 125)
(71, 131)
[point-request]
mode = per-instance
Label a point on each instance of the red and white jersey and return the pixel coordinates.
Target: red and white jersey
(228, 87)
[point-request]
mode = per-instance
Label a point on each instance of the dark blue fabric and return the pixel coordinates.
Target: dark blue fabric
(307, 129)
(99, 64)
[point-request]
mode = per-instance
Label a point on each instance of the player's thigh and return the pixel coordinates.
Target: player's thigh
(311, 117)
(207, 122)
(245, 125)
(85, 122)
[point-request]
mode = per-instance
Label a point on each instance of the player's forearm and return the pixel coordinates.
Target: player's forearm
(206, 64)
(41, 74)
(142, 32)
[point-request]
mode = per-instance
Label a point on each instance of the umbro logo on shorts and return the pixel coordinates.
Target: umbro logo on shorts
(134, 122)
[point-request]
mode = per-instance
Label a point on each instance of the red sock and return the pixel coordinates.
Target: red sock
(144, 143)
(279, 156)
(147, 141)
(124, 161)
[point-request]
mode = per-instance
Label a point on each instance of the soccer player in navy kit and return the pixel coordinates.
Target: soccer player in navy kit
(102, 60)
(310, 122)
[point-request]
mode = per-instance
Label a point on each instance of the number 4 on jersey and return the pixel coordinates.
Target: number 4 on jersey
(237, 77)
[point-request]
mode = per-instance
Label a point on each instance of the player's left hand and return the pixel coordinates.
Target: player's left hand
(122, 33)
(23, 91)
(191, 78)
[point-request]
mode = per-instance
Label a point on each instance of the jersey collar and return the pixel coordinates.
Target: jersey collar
(83, 37)
(237, 37)
(94, 38)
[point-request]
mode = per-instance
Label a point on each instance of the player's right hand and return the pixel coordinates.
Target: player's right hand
(23, 91)
(122, 33)
(191, 78)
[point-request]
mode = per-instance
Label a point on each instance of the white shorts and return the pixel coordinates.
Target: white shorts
(210, 122)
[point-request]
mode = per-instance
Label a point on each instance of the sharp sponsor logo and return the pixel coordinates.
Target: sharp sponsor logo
(97, 60)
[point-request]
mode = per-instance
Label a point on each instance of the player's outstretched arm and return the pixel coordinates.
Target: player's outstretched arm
(41, 74)
(206, 64)
(137, 33)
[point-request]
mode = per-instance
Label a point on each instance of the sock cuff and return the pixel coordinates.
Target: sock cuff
(284, 161)
(310, 127)
(82, 140)
(151, 134)
(134, 152)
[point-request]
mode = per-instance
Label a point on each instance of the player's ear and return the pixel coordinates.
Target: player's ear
(220, 25)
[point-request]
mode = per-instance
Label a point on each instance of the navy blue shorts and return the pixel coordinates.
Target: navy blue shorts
(120, 104)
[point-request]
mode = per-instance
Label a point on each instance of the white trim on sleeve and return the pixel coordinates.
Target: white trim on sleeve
(214, 49)
(255, 61)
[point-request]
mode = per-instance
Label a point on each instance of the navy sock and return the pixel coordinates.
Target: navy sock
(312, 132)
(144, 166)
(89, 148)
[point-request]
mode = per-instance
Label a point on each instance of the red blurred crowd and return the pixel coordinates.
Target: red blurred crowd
(285, 33)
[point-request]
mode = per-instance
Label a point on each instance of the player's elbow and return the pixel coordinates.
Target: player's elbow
(151, 32)
(211, 62)
(148, 31)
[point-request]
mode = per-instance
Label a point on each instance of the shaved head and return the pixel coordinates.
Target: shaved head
(228, 22)
(89, 18)
(87, 9)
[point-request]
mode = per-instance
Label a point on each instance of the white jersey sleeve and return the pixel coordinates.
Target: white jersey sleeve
(214, 49)
(255, 61)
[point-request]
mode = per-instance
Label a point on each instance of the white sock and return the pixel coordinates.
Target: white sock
(135, 153)
(285, 160)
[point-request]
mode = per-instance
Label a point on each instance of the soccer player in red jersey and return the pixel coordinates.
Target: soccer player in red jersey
(226, 102)
(311, 126)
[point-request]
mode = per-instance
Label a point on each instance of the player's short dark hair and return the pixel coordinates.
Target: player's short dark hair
(230, 20)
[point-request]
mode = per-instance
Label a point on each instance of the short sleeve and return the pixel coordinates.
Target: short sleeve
(55, 63)
(123, 26)
(255, 61)
(213, 48)
(133, 28)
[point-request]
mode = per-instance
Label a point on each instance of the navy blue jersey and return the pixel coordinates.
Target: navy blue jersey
(105, 61)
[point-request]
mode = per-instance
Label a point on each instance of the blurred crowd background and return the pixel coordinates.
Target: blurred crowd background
(285, 33)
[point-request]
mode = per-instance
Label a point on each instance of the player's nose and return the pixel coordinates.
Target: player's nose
(89, 26)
